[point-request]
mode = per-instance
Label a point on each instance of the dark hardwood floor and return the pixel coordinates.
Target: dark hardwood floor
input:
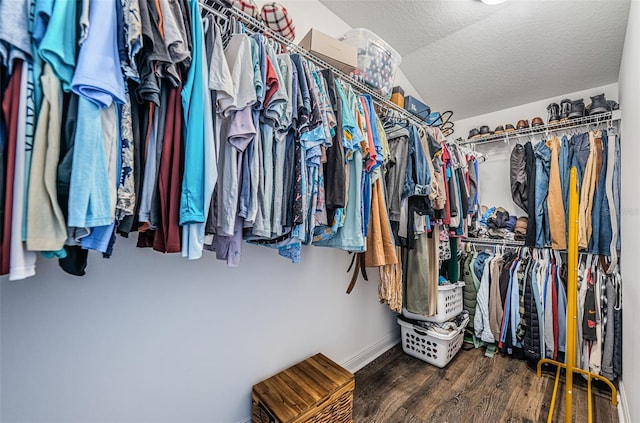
(398, 388)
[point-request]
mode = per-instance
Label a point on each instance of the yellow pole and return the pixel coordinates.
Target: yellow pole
(572, 291)
(589, 400)
(572, 318)
(554, 396)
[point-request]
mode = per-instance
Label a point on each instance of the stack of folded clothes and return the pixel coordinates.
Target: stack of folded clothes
(444, 328)
(520, 230)
(497, 223)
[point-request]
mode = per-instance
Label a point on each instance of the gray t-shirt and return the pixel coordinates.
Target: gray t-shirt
(15, 42)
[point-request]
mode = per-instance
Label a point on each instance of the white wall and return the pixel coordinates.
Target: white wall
(494, 172)
(146, 337)
(630, 105)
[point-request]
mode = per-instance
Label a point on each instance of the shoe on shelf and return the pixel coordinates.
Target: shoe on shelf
(565, 109)
(509, 128)
(484, 131)
(554, 113)
(613, 105)
(499, 130)
(474, 133)
(598, 105)
(522, 124)
(536, 121)
(577, 109)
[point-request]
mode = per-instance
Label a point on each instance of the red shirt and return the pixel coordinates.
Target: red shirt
(10, 107)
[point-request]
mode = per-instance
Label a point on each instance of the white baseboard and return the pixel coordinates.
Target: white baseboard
(623, 405)
(372, 352)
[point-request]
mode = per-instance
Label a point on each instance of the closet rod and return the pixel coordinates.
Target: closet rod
(607, 117)
(226, 12)
(491, 241)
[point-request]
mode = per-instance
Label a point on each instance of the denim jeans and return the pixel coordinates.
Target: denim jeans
(543, 162)
(566, 161)
(580, 146)
(417, 167)
(478, 264)
(616, 189)
(601, 219)
(610, 183)
(422, 171)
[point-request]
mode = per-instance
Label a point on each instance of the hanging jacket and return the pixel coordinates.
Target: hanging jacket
(505, 276)
(531, 339)
(470, 291)
(496, 306)
(530, 239)
(562, 308)
(617, 341)
(481, 320)
(396, 169)
(549, 300)
(609, 333)
(589, 316)
(518, 176)
(474, 206)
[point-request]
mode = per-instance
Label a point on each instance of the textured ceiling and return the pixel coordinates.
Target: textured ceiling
(471, 58)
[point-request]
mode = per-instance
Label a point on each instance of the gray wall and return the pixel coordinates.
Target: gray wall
(146, 337)
(630, 106)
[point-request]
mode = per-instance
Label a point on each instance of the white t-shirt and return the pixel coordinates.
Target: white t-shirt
(22, 262)
(238, 55)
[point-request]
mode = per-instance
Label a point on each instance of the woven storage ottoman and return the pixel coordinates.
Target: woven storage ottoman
(314, 390)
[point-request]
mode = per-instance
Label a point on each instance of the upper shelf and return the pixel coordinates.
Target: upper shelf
(219, 8)
(542, 129)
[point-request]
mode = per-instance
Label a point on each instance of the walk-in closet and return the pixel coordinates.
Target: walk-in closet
(328, 211)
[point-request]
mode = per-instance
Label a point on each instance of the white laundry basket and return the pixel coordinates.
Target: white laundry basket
(430, 346)
(450, 304)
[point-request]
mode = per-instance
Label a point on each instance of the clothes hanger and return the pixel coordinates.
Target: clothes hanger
(558, 257)
(617, 286)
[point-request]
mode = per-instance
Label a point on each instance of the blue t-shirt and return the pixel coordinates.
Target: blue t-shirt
(200, 170)
(98, 75)
(58, 44)
(192, 196)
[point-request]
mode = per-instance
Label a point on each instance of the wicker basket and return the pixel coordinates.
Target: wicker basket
(315, 390)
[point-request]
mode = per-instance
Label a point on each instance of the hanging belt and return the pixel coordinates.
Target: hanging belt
(358, 260)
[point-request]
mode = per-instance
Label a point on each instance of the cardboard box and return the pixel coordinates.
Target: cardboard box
(417, 107)
(335, 52)
(397, 96)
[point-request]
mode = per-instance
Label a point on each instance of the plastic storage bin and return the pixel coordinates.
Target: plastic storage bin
(430, 346)
(377, 61)
(450, 304)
